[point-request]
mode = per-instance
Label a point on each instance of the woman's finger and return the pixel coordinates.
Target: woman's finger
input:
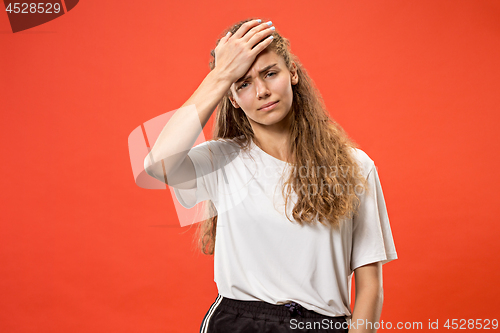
(245, 27)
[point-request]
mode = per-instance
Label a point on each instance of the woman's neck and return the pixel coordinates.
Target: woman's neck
(275, 144)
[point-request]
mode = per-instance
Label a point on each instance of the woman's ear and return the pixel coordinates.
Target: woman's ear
(294, 76)
(236, 106)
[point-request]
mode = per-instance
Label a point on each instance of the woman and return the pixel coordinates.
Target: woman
(296, 208)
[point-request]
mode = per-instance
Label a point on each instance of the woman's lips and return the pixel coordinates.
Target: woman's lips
(270, 107)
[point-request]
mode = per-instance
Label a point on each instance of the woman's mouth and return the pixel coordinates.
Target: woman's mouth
(270, 107)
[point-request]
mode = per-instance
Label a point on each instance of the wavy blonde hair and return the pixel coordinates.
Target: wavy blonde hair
(316, 139)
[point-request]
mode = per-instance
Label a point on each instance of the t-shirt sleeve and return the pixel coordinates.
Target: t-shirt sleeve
(205, 165)
(372, 237)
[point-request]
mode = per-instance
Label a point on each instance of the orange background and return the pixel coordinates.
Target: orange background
(84, 249)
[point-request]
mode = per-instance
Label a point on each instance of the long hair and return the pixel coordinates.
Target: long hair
(317, 143)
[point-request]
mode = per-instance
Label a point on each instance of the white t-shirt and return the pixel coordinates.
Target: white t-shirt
(260, 255)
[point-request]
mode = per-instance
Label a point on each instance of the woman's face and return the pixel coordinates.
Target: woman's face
(263, 84)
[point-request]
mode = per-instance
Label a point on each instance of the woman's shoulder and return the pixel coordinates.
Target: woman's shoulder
(222, 147)
(221, 143)
(363, 160)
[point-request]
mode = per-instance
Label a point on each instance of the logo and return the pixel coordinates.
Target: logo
(28, 14)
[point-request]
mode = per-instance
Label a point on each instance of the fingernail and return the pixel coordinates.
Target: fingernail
(269, 23)
(259, 20)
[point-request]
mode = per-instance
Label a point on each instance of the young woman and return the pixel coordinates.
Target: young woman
(296, 207)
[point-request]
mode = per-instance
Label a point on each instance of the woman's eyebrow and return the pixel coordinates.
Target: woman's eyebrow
(260, 72)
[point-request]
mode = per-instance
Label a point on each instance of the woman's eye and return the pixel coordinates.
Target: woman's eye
(243, 85)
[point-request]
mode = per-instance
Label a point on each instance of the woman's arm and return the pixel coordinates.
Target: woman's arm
(180, 133)
(369, 298)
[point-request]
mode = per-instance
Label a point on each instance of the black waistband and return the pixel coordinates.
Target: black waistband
(256, 308)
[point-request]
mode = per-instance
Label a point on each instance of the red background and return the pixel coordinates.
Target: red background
(84, 249)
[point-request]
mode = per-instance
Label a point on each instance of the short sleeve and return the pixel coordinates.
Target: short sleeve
(372, 237)
(205, 165)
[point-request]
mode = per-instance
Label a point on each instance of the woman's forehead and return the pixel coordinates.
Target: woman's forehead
(265, 58)
(263, 62)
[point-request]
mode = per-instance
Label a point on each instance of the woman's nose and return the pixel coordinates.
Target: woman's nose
(262, 89)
